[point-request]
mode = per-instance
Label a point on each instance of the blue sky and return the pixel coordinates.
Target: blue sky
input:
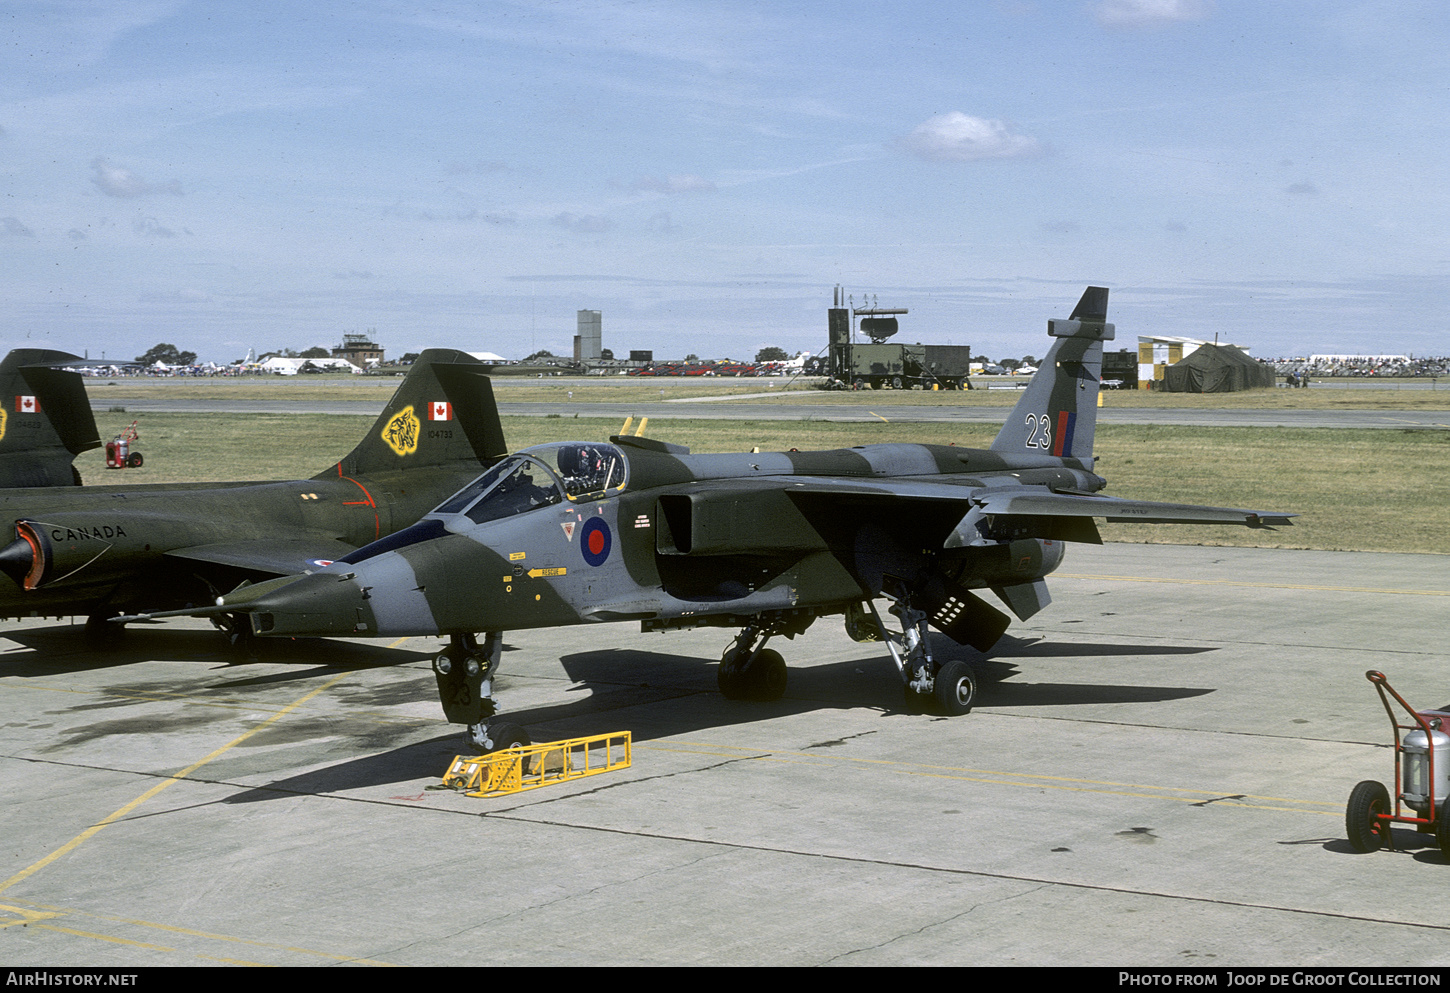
(232, 175)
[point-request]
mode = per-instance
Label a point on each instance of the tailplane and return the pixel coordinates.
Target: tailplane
(443, 412)
(1057, 414)
(45, 419)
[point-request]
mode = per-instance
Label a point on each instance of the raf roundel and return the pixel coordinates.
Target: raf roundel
(595, 541)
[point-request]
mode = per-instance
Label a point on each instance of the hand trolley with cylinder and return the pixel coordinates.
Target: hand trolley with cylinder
(118, 452)
(1422, 778)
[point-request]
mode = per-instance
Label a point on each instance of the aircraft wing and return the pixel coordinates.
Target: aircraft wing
(1012, 499)
(279, 557)
(1041, 502)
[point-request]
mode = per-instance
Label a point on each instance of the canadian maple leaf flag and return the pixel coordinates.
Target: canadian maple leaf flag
(442, 411)
(27, 405)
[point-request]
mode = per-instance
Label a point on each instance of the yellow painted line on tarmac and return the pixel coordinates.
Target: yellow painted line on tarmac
(37, 916)
(91, 831)
(878, 416)
(49, 912)
(105, 937)
(1239, 582)
(23, 916)
(994, 777)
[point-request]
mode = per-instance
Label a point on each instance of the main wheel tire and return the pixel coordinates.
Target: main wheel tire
(506, 735)
(896, 382)
(1366, 800)
(956, 689)
(766, 675)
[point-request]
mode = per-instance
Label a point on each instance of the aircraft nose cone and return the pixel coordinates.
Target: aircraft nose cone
(320, 605)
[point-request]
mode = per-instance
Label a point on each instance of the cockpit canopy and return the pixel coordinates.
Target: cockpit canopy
(540, 477)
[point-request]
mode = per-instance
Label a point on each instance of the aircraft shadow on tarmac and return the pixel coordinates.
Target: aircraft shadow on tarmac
(61, 649)
(657, 695)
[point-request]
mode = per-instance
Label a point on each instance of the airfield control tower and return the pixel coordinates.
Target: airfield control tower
(880, 364)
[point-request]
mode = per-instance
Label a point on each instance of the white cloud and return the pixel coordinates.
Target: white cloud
(1148, 13)
(958, 137)
(12, 226)
(115, 181)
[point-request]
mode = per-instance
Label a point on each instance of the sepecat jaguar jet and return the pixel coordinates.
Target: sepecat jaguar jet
(641, 530)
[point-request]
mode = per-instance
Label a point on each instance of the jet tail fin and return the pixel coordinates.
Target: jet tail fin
(1057, 414)
(442, 412)
(45, 418)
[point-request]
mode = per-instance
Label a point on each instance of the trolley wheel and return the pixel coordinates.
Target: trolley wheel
(896, 382)
(134, 460)
(1442, 828)
(956, 689)
(1366, 800)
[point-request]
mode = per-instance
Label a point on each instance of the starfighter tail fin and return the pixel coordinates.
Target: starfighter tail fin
(45, 419)
(1057, 414)
(443, 412)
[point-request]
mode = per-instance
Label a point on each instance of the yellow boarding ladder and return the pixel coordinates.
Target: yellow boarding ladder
(527, 767)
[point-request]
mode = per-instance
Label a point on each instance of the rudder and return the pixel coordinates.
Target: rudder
(1057, 414)
(45, 418)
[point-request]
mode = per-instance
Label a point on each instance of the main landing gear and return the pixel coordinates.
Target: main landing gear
(950, 687)
(464, 672)
(750, 671)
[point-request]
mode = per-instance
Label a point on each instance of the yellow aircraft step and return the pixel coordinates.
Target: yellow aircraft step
(527, 767)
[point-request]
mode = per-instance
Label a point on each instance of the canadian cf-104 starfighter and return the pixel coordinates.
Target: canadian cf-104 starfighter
(641, 530)
(101, 551)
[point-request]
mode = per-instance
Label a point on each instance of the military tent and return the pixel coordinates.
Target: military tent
(1217, 369)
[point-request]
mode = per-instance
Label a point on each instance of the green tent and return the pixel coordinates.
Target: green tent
(1217, 369)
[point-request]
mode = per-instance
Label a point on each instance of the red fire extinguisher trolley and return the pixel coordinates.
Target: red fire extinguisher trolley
(118, 452)
(1422, 780)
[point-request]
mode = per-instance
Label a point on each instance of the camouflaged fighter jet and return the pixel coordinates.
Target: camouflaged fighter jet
(45, 419)
(641, 530)
(99, 551)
